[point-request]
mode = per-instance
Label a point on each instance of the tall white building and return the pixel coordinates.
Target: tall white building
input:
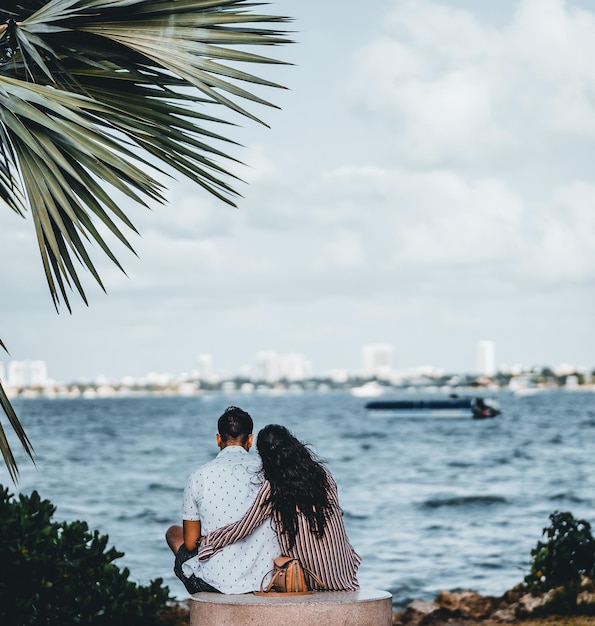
(378, 360)
(486, 357)
(39, 374)
(205, 366)
(267, 366)
(273, 367)
(294, 367)
(16, 374)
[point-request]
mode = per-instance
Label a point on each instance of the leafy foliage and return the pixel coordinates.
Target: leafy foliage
(567, 555)
(59, 574)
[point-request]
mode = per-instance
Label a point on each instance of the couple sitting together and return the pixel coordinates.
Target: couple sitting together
(241, 512)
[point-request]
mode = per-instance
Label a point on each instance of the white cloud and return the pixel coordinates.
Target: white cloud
(563, 250)
(437, 219)
(432, 221)
(550, 44)
(456, 88)
(344, 251)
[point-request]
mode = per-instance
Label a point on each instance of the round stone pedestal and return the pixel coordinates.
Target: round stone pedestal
(366, 607)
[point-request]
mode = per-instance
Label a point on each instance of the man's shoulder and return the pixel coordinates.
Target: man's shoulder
(252, 460)
(204, 468)
(232, 455)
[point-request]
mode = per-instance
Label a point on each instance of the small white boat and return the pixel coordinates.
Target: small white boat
(528, 391)
(371, 389)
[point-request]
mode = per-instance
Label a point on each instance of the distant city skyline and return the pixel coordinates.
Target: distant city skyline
(377, 361)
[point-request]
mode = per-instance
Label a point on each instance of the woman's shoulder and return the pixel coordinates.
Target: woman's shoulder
(327, 471)
(265, 487)
(331, 481)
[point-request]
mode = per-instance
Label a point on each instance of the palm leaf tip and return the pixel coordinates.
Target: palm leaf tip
(7, 454)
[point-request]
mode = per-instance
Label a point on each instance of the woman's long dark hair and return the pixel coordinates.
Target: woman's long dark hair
(299, 482)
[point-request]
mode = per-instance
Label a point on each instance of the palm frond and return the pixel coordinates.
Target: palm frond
(7, 454)
(87, 87)
(97, 96)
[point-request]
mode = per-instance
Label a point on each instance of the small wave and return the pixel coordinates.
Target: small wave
(163, 487)
(462, 464)
(462, 501)
(406, 592)
(104, 430)
(353, 516)
(436, 528)
(361, 436)
(493, 565)
(146, 516)
(566, 497)
(521, 453)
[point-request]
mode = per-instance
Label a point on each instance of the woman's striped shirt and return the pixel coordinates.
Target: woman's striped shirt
(330, 556)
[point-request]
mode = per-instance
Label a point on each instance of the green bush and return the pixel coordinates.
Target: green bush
(562, 561)
(60, 574)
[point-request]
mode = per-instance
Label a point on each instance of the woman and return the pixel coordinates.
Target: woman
(300, 496)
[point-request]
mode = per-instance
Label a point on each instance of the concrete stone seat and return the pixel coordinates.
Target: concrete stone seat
(366, 607)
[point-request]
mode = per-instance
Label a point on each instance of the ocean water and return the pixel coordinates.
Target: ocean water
(429, 504)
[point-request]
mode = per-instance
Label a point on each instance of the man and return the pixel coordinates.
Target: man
(217, 494)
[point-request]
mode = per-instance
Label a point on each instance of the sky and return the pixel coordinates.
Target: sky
(429, 182)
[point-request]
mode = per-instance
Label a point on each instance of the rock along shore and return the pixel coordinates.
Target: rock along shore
(469, 607)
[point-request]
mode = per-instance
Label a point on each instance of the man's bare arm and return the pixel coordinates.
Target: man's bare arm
(191, 533)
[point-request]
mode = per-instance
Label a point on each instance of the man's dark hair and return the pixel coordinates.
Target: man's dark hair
(235, 424)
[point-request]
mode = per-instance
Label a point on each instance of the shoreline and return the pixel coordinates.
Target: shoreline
(516, 607)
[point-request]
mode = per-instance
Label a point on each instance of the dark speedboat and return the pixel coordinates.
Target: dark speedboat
(453, 406)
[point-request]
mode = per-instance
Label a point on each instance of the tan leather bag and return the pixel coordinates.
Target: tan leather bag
(288, 578)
